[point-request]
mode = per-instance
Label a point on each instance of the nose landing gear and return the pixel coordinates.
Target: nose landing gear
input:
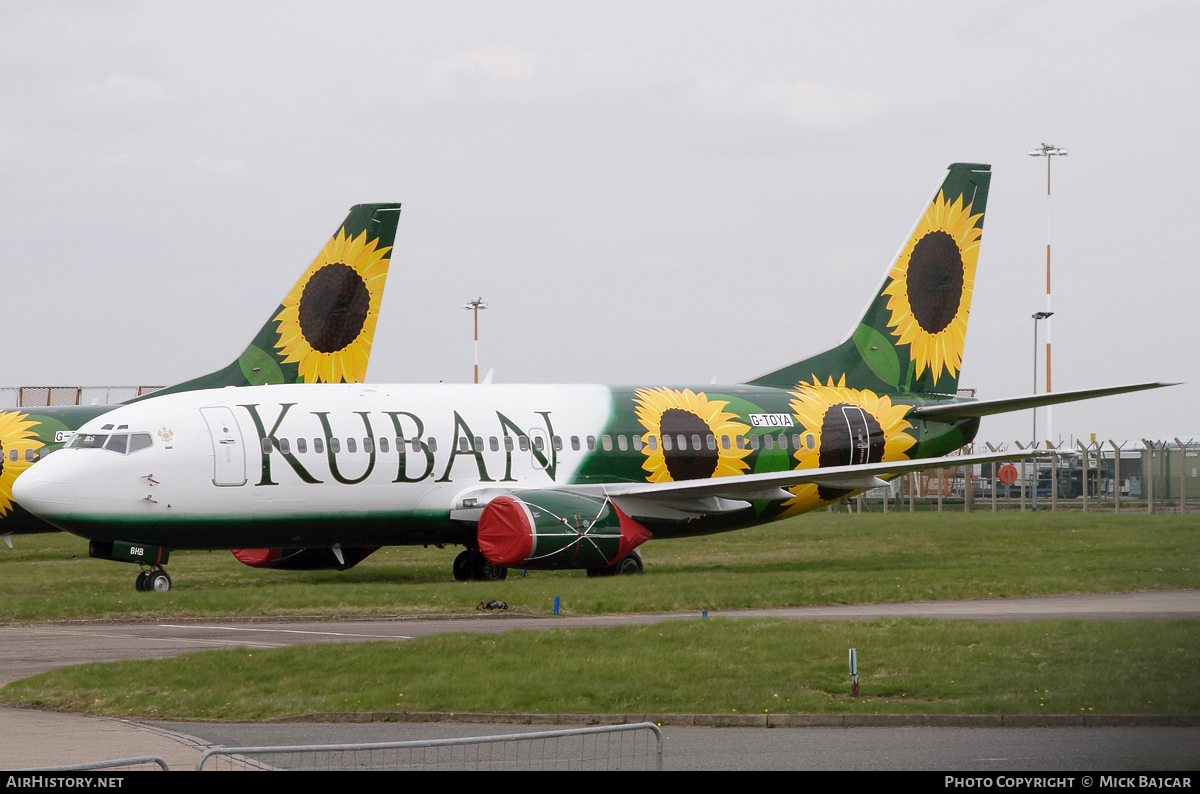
(152, 580)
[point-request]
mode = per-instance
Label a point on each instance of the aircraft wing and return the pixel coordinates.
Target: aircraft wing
(689, 498)
(948, 412)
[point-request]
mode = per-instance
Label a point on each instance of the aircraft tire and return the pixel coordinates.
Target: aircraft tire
(464, 566)
(628, 565)
(139, 584)
(490, 572)
(158, 582)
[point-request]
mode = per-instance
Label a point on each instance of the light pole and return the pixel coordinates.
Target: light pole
(1037, 316)
(475, 306)
(1049, 151)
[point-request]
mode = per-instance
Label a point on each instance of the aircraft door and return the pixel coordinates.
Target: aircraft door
(539, 447)
(859, 434)
(229, 456)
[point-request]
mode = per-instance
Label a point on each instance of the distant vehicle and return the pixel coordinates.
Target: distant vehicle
(341, 300)
(546, 476)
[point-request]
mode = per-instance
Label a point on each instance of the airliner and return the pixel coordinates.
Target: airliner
(541, 476)
(339, 294)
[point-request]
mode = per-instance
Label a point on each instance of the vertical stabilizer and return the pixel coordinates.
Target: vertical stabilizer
(912, 335)
(322, 331)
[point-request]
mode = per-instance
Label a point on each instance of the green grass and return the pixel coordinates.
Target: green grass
(707, 666)
(814, 559)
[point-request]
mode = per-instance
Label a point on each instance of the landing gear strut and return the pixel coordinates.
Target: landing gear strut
(472, 566)
(153, 580)
(631, 563)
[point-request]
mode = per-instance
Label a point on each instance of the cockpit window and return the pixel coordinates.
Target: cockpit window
(118, 443)
(139, 441)
(88, 441)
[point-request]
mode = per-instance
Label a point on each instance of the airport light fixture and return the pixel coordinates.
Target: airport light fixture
(1049, 151)
(475, 306)
(1037, 316)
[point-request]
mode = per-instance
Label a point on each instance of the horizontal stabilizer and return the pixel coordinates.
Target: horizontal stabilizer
(948, 412)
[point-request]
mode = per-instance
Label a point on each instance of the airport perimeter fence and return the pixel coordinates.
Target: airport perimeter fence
(637, 746)
(54, 396)
(1153, 476)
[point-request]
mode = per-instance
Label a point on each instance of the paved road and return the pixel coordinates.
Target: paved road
(30, 648)
(40, 738)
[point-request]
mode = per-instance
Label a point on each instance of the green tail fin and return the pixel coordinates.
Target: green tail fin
(912, 335)
(322, 331)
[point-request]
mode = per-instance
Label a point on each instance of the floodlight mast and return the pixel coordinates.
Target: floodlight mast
(1049, 151)
(475, 306)
(1037, 316)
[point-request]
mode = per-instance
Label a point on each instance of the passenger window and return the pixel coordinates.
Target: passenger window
(809, 441)
(508, 444)
(416, 445)
(383, 445)
(369, 445)
(432, 444)
(318, 446)
(301, 446)
(591, 443)
(285, 447)
(463, 444)
(139, 441)
(753, 442)
(653, 442)
(724, 442)
(351, 446)
(575, 443)
(666, 441)
(478, 444)
(782, 441)
(539, 443)
(335, 446)
(557, 442)
(710, 441)
(637, 443)
(523, 443)
(769, 441)
(682, 439)
(741, 442)
(493, 444)
(266, 446)
(606, 442)
(116, 444)
(795, 441)
(696, 441)
(31, 456)
(622, 443)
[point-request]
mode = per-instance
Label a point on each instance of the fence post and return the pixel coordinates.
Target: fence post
(1116, 475)
(1148, 475)
(912, 488)
(1023, 484)
(1182, 480)
(1053, 477)
(1085, 473)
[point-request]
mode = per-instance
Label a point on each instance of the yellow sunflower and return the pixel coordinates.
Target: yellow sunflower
(328, 319)
(15, 436)
(679, 426)
(839, 426)
(931, 284)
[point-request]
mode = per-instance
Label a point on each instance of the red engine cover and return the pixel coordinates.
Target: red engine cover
(256, 558)
(505, 532)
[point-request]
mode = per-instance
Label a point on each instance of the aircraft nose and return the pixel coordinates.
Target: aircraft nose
(45, 489)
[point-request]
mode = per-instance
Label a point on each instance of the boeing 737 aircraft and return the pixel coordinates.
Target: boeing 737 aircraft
(539, 476)
(340, 300)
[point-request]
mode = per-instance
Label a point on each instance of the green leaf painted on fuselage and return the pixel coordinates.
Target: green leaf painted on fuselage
(259, 367)
(879, 354)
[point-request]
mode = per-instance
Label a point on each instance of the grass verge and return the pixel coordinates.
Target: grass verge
(704, 666)
(819, 558)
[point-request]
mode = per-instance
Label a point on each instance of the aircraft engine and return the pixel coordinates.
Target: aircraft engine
(546, 530)
(303, 559)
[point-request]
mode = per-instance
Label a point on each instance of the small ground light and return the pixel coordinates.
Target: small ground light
(853, 672)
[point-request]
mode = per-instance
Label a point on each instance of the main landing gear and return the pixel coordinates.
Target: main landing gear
(152, 580)
(472, 566)
(631, 563)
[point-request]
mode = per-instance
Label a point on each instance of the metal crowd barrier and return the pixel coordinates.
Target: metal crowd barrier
(607, 747)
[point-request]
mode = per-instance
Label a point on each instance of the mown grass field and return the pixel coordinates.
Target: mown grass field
(709, 666)
(819, 558)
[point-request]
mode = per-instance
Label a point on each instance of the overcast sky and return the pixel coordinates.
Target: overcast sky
(643, 192)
